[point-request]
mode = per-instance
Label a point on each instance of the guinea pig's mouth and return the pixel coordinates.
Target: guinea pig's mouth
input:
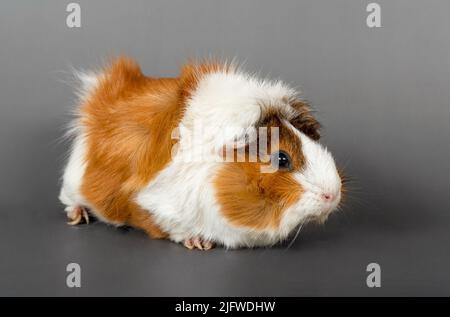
(324, 214)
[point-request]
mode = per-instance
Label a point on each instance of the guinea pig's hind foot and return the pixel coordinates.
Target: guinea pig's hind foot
(197, 243)
(76, 215)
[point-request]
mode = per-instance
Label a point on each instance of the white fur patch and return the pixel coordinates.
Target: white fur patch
(88, 80)
(233, 102)
(318, 176)
(70, 194)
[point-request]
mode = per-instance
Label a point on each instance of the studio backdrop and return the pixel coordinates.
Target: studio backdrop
(376, 74)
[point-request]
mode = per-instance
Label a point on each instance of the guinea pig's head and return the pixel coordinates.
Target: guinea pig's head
(292, 181)
(296, 182)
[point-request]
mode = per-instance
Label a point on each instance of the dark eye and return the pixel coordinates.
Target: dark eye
(284, 160)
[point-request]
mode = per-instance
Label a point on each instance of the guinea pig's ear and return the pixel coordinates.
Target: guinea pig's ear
(304, 120)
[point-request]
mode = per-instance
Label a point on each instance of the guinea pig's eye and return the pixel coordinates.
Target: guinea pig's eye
(283, 159)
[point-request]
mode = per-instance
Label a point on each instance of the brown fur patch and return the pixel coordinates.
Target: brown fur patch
(305, 121)
(258, 200)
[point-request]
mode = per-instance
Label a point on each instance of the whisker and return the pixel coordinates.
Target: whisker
(295, 237)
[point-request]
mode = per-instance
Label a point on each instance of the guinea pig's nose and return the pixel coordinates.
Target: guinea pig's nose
(328, 197)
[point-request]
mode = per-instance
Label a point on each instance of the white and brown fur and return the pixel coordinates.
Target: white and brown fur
(122, 171)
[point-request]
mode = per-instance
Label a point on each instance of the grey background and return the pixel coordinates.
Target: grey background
(383, 96)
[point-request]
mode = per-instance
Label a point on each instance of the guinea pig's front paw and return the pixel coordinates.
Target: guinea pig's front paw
(197, 243)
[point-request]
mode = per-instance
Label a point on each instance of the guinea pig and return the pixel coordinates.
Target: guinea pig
(134, 157)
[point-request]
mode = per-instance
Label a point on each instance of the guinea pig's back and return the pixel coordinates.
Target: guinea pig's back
(122, 139)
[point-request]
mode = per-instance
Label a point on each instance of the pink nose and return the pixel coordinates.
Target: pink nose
(328, 197)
